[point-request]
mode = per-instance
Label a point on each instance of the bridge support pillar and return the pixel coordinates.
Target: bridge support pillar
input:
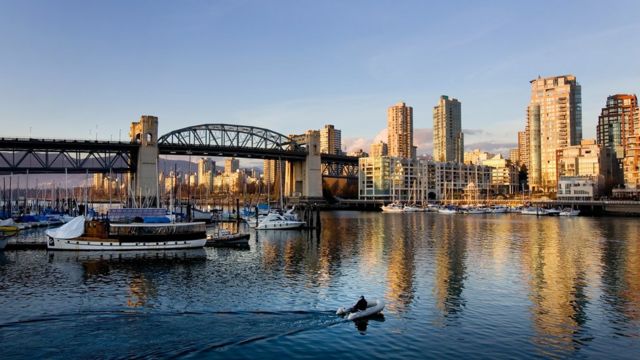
(144, 181)
(304, 179)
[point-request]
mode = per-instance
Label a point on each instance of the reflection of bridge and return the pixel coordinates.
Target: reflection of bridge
(80, 156)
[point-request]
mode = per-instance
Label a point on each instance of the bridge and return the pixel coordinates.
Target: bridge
(304, 164)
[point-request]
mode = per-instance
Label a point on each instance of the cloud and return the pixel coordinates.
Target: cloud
(422, 138)
(492, 146)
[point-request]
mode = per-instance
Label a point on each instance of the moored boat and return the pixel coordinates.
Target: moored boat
(153, 233)
(569, 212)
(275, 221)
(393, 208)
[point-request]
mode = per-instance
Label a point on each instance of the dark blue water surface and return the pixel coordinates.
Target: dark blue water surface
(456, 286)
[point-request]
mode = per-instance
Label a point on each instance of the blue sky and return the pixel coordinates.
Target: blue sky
(73, 68)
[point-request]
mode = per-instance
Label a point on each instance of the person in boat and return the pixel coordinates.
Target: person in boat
(361, 304)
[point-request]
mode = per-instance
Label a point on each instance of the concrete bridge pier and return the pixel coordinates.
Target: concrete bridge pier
(304, 179)
(144, 181)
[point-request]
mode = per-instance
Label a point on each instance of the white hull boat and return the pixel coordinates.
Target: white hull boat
(373, 307)
(533, 211)
(278, 222)
(569, 212)
(80, 234)
(393, 208)
(447, 211)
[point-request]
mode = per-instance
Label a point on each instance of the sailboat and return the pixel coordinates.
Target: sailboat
(447, 209)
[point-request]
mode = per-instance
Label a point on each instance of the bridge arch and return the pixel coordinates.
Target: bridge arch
(231, 140)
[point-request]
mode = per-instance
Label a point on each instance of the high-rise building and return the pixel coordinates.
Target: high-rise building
(330, 140)
(448, 139)
(523, 147)
(206, 172)
(270, 171)
(379, 149)
(231, 165)
(617, 123)
(400, 131)
(514, 156)
(554, 121)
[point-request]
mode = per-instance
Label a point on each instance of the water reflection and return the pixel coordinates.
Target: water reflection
(362, 324)
(401, 266)
(450, 267)
(621, 270)
(557, 263)
(139, 267)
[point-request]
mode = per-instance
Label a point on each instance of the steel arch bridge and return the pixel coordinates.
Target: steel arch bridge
(231, 140)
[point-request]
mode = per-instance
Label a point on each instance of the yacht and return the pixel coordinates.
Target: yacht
(552, 211)
(530, 210)
(411, 208)
(475, 210)
(275, 221)
(144, 232)
(569, 212)
(393, 208)
(498, 209)
(447, 210)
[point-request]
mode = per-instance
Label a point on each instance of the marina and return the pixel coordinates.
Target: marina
(517, 282)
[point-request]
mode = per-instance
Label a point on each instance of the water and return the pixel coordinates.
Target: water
(471, 286)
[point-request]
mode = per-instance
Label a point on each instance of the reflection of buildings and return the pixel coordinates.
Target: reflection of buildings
(140, 291)
(621, 272)
(450, 268)
(401, 264)
(557, 267)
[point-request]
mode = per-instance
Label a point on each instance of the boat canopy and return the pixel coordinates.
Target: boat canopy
(70, 230)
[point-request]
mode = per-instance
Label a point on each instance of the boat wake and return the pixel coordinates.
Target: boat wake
(158, 334)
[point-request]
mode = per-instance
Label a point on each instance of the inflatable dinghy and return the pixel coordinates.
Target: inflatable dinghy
(373, 307)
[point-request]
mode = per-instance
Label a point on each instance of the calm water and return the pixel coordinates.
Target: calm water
(472, 286)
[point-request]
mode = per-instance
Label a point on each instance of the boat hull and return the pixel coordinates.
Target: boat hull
(373, 307)
(277, 225)
(116, 245)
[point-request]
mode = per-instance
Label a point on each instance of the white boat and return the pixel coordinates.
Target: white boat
(498, 210)
(82, 234)
(275, 221)
(552, 212)
(475, 210)
(411, 208)
(530, 210)
(199, 215)
(447, 210)
(393, 208)
(373, 307)
(569, 212)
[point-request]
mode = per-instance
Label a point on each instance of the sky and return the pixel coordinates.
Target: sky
(87, 69)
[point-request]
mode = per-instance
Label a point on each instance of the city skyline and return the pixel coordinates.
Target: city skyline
(178, 70)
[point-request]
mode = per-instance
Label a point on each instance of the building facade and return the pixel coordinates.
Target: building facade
(631, 163)
(417, 180)
(586, 160)
(379, 149)
(330, 140)
(448, 139)
(554, 121)
(618, 121)
(476, 156)
(400, 131)
(523, 147)
(206, 172)
(504, 175)
(231, 165)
